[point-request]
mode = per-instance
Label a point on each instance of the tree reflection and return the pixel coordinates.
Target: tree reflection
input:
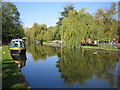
(42, 52)
(76, 65)
(80, 65)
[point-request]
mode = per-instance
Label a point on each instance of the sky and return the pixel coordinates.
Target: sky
(48, 12)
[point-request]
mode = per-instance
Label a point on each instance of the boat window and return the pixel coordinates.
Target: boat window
(20, 44)
(16, 45)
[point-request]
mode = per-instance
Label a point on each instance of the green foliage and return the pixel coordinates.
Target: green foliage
(105, 19)
(76, 27)
(11, 24)
(37, 32)
(64, 14)
(41, 32)
(52, 33)
(66, 11)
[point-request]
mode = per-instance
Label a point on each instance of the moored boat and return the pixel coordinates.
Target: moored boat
(17, 46)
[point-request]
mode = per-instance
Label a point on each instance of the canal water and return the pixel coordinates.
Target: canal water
(50, 67)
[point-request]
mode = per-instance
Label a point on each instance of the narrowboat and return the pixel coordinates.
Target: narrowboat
(17, 46)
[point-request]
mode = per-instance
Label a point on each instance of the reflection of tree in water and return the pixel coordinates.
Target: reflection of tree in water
(41, 52)
(78, 66)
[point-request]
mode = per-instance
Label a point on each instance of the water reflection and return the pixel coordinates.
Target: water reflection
(19, 59)
(81, 66)
(42, 52)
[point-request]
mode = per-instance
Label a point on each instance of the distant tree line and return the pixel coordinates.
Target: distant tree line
(40, 32)
(74, 26)
(11, 24)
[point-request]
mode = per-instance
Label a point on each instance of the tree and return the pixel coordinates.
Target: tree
(11, 24)
(109, 25)
(67, 9)
(52, 33)
(37, 32)
(64, 13)
(81, 29)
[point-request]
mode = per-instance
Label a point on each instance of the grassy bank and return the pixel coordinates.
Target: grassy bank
(11, 76)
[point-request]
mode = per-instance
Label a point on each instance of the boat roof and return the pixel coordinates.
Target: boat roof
(16, 40)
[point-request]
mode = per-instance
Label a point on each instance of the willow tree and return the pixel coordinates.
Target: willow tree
(28, 33)
(52, 33)
(64, 13)
(41, 32)
(77, 27)
(36, 32)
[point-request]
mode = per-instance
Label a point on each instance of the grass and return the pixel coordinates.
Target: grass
(11, 76)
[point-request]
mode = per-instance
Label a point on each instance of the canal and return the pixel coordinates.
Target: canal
(50, 67)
